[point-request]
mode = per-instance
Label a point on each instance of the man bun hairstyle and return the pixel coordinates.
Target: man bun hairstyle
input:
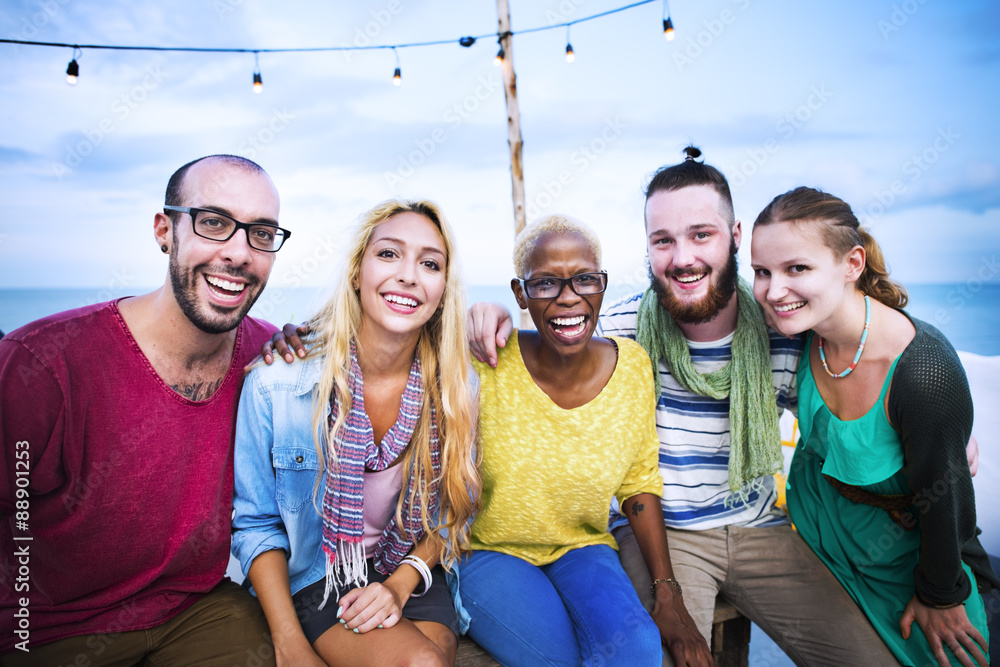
(841, 232)
(693, 172)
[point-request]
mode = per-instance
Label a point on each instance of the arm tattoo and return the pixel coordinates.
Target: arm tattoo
(198, 391)
(636, 508)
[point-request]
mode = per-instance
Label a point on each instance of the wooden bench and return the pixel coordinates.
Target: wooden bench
(730, 641)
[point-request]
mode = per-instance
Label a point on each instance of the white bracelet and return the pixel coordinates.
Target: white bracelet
(417, 563)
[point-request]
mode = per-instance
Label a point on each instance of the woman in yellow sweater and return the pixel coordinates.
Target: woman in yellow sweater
(567, 423)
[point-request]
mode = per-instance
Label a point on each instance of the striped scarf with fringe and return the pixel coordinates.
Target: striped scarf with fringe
(343, 494)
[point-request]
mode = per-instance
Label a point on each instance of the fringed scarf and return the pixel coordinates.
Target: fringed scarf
(754, 437)
(343, 495)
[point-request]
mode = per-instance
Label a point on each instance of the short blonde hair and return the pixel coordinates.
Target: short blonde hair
(552, 224)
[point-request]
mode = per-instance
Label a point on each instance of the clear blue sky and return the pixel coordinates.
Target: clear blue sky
(891, 105)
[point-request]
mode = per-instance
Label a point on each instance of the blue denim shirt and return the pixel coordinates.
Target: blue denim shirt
(275, 465)
(275, 473)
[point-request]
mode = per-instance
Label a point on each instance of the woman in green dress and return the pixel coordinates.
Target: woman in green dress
(879, 485)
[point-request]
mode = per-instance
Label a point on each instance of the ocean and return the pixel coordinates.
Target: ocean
(967, 313)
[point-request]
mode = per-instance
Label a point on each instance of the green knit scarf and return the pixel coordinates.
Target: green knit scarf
(754, 437)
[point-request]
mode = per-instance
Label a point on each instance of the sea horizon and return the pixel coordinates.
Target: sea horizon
(968, 314)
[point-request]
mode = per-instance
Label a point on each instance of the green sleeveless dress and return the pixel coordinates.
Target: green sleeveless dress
(872, 557)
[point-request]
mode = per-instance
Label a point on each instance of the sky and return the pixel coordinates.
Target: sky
(888, 105)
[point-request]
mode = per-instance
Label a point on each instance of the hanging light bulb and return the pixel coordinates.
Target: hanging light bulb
(570, 56)
(258, 82)
(73, 69)
(668, 29)
(72, 72)
(499, 59)
(397, 75)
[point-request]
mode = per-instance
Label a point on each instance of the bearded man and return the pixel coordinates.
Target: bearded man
(117, 423)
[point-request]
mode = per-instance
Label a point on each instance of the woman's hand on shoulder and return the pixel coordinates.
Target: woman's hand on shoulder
(285, 343)
(489, 327)
(946, 627)
(972, 453)
(365, 609)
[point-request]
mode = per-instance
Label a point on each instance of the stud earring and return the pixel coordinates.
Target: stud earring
(163, 248)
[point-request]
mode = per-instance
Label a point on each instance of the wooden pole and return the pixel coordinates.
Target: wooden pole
(513, 116)
(513, 125)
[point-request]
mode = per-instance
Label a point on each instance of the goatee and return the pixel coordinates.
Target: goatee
(185, 293)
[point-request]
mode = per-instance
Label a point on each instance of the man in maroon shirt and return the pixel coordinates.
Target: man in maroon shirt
(117, 469)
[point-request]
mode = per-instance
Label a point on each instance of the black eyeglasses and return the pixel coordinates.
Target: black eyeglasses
(549, 287)
(216, 226)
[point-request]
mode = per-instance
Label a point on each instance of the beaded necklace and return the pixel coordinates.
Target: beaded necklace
(861, 347)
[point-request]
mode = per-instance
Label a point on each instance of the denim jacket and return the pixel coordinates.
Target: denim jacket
(275, 465)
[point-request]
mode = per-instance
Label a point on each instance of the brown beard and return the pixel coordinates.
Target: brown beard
(718, 297)
(185, 293)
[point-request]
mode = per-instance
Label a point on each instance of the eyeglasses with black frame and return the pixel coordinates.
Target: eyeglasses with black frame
(549, 287)
(220, 227)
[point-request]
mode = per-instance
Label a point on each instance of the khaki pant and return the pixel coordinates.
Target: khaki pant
(773, 577)
(225, 628)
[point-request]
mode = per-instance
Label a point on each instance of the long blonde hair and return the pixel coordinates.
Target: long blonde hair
(841, 231)
(445, 363)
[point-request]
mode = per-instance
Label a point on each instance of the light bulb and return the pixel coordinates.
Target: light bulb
(72, 72)
(668, 29)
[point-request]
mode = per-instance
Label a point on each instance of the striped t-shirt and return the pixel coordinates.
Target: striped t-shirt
(694, 433)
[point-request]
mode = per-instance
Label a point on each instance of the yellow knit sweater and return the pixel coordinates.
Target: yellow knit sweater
(549, 473)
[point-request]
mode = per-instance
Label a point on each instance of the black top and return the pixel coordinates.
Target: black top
(930, 405)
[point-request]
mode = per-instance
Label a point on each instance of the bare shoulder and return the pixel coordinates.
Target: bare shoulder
(899, 331)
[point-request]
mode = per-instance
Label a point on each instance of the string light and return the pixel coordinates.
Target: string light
(73, 69)
(258, 83)
(570, 56)
(668, 29)
(668, 23)
(397, 75)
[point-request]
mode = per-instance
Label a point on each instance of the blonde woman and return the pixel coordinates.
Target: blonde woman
(354, 469)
